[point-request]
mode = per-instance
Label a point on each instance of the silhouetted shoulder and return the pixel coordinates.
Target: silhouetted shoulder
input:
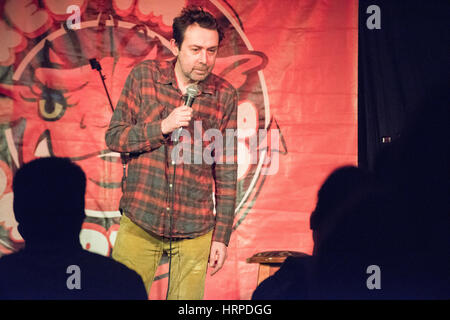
(120, 282)
(80, 275)
(288, 283)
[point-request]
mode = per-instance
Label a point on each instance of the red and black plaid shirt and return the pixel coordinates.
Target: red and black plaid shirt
(149, 95)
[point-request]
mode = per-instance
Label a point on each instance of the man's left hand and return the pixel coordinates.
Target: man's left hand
(217, 256)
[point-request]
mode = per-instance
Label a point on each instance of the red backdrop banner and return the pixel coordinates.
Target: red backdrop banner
(294, 64)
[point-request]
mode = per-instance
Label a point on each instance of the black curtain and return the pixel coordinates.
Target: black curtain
(400, 66)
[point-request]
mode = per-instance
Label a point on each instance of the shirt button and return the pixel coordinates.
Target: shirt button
(170, 185)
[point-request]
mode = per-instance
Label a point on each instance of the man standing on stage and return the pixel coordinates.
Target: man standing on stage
(167, 205)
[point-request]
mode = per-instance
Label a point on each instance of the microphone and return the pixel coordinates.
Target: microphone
(192, 92)
(95, 65)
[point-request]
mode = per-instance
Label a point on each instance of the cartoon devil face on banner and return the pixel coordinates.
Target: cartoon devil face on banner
(54, 102)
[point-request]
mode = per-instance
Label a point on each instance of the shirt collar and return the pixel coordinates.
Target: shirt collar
(167, 72)
(168, 77)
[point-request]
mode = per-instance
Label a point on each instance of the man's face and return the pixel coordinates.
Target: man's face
(197, 54)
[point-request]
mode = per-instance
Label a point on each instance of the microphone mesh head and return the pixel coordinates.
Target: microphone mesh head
(192, 90)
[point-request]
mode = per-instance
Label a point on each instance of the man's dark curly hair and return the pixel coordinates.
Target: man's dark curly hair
(191, 15)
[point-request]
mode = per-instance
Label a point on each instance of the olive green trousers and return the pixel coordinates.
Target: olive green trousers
(142, 252)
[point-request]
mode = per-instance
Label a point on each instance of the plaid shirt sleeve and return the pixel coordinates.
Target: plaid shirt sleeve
(226, 174)
(126, 133)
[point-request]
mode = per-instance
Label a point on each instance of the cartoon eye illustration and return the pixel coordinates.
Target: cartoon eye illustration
(51, 105)
(50, 110)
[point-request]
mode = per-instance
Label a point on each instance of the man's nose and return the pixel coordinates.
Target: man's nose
(203, 57)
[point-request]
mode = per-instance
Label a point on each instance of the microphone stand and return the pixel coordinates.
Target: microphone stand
(176, 141)
(192, 92)
(95, 65)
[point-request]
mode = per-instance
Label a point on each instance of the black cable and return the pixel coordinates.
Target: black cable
(188, 100)
(172, 202)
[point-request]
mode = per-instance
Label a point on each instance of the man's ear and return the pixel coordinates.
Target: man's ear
(174, 47)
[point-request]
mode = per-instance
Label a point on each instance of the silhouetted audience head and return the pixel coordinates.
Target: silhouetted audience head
(340, 188)
(49, 201)
(399, 224)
